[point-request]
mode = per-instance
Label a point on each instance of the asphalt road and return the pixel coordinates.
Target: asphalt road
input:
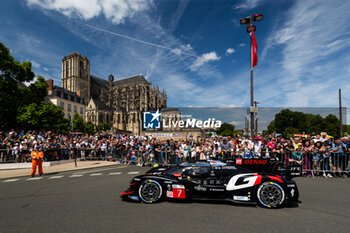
(88, 201)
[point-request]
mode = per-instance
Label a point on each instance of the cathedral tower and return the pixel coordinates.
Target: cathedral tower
(76, 75)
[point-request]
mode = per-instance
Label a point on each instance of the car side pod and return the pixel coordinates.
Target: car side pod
(293, 171)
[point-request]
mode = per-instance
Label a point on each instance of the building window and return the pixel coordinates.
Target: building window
(81, 110)
(69, 107)
(75, 108)
(62, 105)
(65, 96)
(58, 94)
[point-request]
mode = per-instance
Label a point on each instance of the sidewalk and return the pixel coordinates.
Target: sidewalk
(58, 168)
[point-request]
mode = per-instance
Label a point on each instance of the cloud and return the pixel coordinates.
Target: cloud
(236, 123)
(230, 51)
(241, 44)
(205, 58)
(310, 44)
(247, 4)
(114, 10)
(35, 64)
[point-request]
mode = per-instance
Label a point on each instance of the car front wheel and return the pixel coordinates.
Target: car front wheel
(150, 191)
(271, 195)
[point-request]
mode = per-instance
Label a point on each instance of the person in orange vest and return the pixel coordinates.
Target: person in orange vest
(37, 160)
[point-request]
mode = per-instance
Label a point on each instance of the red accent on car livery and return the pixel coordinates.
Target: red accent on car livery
(275, 178)
(255, 161)
(238, 161)
(126, 193)
(258, 180)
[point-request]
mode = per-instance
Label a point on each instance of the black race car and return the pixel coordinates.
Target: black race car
(212, 180)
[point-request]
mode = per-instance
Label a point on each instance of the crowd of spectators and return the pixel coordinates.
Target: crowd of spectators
(315, 153)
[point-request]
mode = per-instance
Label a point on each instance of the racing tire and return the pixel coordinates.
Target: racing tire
(150, 191)
(270, 195)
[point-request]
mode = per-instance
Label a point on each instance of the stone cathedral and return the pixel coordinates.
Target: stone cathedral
(117, 102)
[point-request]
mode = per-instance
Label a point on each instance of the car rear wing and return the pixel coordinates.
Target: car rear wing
(267, 165)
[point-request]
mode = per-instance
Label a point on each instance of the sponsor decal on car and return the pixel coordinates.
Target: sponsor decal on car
(169, 194)
(200, 188)
(178, 186)
(239, 161)
(229, 167)
(240, 198)
(255, 161)
(216, 190)
(249, 180)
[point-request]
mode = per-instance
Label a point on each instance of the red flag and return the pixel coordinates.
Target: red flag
(254, 48)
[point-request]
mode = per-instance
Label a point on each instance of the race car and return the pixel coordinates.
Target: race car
(217, 180)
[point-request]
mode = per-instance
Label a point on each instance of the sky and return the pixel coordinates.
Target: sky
(195, 50)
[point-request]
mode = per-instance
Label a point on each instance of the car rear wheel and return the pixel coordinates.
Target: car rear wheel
(270, 195)
(150, 191)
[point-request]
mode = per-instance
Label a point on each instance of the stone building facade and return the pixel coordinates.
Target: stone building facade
(117, 102)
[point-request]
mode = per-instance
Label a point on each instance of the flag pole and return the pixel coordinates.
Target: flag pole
(251, 86)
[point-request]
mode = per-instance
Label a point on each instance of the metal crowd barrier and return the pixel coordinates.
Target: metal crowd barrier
(323, 163)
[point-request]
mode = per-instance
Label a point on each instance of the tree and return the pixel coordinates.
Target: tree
(290, 131)
(288, 123)
(43, 116)
(226, 130)
(89, 128)
(12, 95)
(332, 125)
(78, 123)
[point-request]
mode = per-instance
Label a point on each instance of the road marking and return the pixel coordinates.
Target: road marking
(76, 175)
(94, 171)
(55, 177)
(133, 173)
(35, 178)
(10, 180)
(114, 173)
(96, 174)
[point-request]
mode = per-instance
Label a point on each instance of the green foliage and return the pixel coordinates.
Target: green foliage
(12, 69)
(14, 97)
(288, 123)
(104, 127)
(226, 130)
(80, 126)
(89, 128)
(290, 131)
(78, 123)
(43, 116)
(346, 130)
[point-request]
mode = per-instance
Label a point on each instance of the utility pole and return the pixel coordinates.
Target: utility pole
(256, 117)
(340, 116)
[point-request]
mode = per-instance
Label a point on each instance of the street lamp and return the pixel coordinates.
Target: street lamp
(251, 29)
